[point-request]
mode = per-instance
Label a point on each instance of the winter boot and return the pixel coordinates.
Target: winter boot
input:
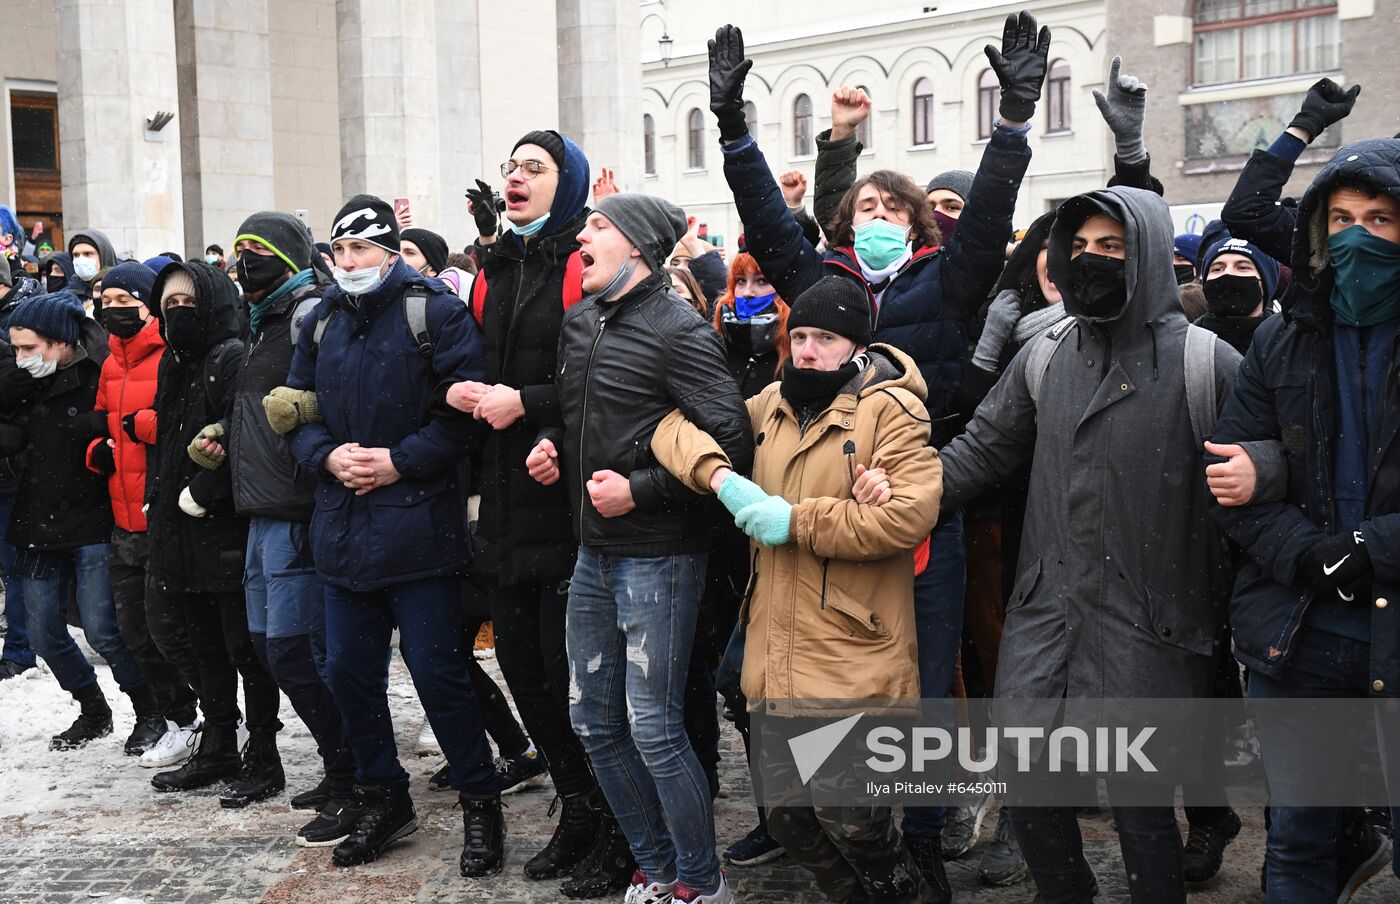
(926, 855)
(313, 798)
(573, 838)
(607, 868)
(93, 722)
(386, 815)
(484, 836)
(150, 724)
(216, 760)
(260, 776)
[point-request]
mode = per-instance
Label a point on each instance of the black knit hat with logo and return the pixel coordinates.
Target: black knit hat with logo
(835, 304)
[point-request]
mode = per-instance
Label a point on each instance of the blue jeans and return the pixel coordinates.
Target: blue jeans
(1302, 845)
(17, 647)
(359, 628)
(938, 621)
(44, 578)
(631, 623)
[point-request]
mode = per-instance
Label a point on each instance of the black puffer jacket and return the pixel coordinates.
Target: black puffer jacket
(623, 366)
(523, 534)
(196, 555)
(267, 479)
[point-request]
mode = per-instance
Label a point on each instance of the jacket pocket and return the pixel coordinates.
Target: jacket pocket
(415, 526)
(1025, 584)
(1181, 625)
(861, 621)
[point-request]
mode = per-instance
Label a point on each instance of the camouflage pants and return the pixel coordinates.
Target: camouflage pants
(855, 853)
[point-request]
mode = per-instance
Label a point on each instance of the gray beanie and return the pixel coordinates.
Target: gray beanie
(653, 224)
(955, 180)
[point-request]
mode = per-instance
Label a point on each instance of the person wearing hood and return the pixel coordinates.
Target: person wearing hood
(197, 540)
(56, 273)
(524, 545)
(1320, 555)
(285, 608)
(629, 353)
(809, 532)
(61, 525)
(90, 250)
(1239, 281)
(1114, 390)
(389, 526)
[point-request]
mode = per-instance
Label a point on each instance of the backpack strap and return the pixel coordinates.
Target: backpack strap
(1200, 381)
(415, 311)
(1042, 350)
(320, 332)
(299, 315)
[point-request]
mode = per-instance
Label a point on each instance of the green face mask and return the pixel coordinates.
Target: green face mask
(879, 243)
(1367, 288)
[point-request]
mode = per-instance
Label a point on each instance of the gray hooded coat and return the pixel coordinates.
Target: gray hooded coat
(1122, 578)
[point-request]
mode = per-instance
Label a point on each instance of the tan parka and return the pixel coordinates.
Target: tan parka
(830, 614)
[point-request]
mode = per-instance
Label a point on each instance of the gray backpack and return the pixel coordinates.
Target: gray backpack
(415, 312)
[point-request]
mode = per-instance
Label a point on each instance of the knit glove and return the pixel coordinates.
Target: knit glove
(103, 460)
(189, 506)
(289, 408)
(728, 68)
(1020, 66)
(1002, 315)
(737, 493)
(769, 522)
(483, 203)
(208, 459)
(1338, 567)
(1325, 105)
(1124, 108)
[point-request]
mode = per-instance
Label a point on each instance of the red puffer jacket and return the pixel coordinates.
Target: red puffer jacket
(128, 386)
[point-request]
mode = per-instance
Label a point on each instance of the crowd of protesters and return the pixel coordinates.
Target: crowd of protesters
(1087, 459)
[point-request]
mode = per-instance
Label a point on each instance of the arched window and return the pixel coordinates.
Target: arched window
(802, 126)
(863, 130)
(695, 141)
(751, 118)
(649, 144)
(923, 112)
(988, 93)
(1057, 97)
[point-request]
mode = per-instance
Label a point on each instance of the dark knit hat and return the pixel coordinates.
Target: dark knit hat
(369, 219)
(433, 246)
(137, 280)
(155, 264)
(957, 181)
(653, 224)
(836, 304)
(57, 316)
(283, 234)
(550, 140)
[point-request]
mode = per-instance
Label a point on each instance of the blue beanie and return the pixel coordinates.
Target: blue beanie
(155, 264)
(1268, 267)
(56, 316)
(1188, 245)
(137, 280)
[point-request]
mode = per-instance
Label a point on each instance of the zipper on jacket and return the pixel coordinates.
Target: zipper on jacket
(825, 564)
(583, 423)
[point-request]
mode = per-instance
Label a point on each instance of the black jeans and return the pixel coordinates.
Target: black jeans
(529, 625)
(495, 709)
(126, 570)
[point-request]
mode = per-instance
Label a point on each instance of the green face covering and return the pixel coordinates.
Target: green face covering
(880, 242)
(1367, 288)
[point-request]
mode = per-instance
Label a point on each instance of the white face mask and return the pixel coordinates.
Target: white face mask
(86, 268)
(358, 282)
(37, 366)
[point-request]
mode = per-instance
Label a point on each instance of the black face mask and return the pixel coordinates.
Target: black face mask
(1185, 273)
(55, 282)
(257, 272)
(754, 337)
(1098, 287)
(184, 329)
(815, 389)
(122, 322)
(1233, 296)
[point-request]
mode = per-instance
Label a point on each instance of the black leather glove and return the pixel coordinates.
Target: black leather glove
(483, 202)
(1339, 567)
(1325, 105)
(1020, 67)
(103, 459)
(90, 424)
(728, 69)
(129, 426)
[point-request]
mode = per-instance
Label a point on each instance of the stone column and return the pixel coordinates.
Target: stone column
(223, 60)
(600, 84)
(116, 67)
(458, 119)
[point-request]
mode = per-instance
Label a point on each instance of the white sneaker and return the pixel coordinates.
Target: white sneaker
(427, 741)
(174, 747)
(643, 892)
(684, 894)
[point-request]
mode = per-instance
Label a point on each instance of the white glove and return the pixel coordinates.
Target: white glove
(189, 506)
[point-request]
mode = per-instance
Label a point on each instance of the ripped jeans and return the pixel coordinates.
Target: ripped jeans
(630, 625)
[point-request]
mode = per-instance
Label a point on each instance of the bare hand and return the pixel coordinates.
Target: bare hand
(543, 462)
(500, 407)
(611, 494)
(872, 486)
(692, 230)
(604, 185)
(1231, 482)
(373, 469)
(849, 108)
(212, 447)
(340, 460)
(466, 395)
(404, 216)
(794, 185)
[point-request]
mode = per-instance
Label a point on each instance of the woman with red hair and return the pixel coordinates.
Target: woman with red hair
(752, 319)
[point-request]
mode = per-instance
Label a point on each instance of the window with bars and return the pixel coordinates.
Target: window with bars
(923, 112)
(802, 126)
(649, 144)
(988, 94)
(1240, 40)
(1057, 98)
(695, 142)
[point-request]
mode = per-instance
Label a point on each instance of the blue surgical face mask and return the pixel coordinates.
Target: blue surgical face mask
(1367, 287)
(745, 306)
(85, 268)
(879, 243)
(528, 229)
(211, 259)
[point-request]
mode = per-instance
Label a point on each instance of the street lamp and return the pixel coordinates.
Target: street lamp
(665, 41)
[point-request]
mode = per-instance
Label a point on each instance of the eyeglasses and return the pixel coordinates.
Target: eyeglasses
(532, 168)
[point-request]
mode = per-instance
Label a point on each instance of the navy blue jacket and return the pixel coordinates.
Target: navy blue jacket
(929, 305)
(375, 388)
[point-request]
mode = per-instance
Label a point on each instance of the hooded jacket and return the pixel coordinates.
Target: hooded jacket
(189, 554)
(1287, 391)
(65, 263)
(830, 615)
(128, 386)
(1122, 574)
(106, 255)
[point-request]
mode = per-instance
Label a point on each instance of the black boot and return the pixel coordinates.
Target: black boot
(572, 840)
(607, 868)
(1205, 846)
(93, 722)
(314, 798)
(261, 775)
(927, 857)
(386, 815)
(216, 760)
(484, 836)
(150, 724)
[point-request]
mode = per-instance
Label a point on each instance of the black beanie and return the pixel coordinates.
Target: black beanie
(835, 304)
(282, 233)
(368, 219)
(550, 140)
(433, 246)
